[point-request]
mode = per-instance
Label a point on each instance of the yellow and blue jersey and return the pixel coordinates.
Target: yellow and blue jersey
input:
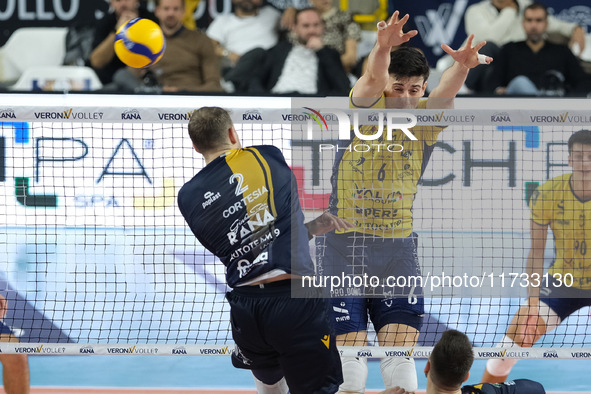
(244, 208)
(517, 386)
(374, 183)
(555, 204)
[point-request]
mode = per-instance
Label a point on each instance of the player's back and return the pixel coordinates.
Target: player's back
(517, 386)
(244, 208)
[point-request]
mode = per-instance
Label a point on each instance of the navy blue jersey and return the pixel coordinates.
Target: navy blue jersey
(244, 208)
(4, 329)
(517, 386)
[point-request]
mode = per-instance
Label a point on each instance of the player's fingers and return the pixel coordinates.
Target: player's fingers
(411, 33)
(404, 19)
(479, 46)
(447, 49)
(393, 18)
(469, 41)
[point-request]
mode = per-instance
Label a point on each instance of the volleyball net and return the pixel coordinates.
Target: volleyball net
(95, 257)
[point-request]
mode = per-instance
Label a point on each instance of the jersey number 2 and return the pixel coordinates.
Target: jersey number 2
(239, 178)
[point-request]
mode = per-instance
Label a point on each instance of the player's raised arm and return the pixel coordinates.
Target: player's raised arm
(372, 83)
(453, 78)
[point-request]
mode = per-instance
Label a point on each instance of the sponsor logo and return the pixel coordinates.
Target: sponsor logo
(561, 118)
(364, 353)
(252, 115)
(179, 350)
(210, 197)
(443, 118)
(499, 354)
(581, 354)
(440, 26)
(132, 114)
(326, 341)
(87, 350)
(500, 117)
(40, 349)
(69, 114)
(550, 354)
(245, 266)
(131, 350)
(214, 351)
(172, 116)
(7, 113)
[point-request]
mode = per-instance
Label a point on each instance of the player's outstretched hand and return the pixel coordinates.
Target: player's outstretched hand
(391, 34)
(529, 328)
(327, 222)
(468, 55)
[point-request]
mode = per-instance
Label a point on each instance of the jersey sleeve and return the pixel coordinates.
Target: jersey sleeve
(540, 204)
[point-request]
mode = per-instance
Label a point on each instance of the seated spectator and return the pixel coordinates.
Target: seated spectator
(189, 62)
(498, 22)
(302, 66)
(102, 58)
(15, 367)
(536, 66)
(340, 31)
(241, 37)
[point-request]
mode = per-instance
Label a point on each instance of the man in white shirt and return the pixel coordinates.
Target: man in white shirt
(304, 65)
(241, 37)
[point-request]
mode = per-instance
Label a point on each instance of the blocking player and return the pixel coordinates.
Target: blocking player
(449, 366)
(562, 204)
(243, 207)
(375, 190)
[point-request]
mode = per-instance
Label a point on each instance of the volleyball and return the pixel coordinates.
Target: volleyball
(139, 43)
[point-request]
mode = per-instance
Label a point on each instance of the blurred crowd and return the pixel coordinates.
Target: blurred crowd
(311, 47)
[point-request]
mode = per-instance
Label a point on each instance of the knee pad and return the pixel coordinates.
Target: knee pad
(354, 374)
(279, 387)
(400, 372)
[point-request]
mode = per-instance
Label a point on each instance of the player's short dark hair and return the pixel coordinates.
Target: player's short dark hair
(536, 6)
(208, 128)
(451, 360)
(157, 3)
(408, 62)
(579, 137)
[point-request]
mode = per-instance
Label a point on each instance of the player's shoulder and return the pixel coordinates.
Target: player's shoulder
(557, 184)
(517, 386)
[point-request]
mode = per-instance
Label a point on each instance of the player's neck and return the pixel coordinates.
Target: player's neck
(581, 187)
(434, 389)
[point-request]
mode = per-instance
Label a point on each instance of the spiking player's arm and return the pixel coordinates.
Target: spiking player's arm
(453, 78)
(374, 80)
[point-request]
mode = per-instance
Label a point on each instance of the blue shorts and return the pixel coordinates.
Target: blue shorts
(564, 301)
(275, 332)
(356, 254)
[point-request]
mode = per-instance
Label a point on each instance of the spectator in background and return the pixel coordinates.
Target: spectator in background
(304, 65)
(103, 59)
(189, 62)
(340, 31)
(241, 38)
(536, 66)
(498, 22)
(15, 367)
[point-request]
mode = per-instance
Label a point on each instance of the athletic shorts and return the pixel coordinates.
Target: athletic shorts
(564, 301)
(273, 330)
(383, 257)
